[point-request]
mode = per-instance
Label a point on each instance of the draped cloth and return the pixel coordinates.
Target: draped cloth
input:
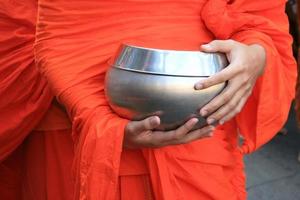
(25, 94)
(74, 41)
(297, 98)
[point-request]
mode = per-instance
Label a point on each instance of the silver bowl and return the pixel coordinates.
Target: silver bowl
(143, 82)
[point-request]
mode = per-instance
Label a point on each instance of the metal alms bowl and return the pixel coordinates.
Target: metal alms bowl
(143, 82)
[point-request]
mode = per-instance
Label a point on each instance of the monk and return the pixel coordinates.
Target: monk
(111, 157)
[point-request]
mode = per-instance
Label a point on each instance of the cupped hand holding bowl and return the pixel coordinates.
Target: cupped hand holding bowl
(247, 63)
(156, 89)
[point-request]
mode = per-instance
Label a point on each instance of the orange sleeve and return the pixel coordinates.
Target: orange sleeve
(75, 68)
(264, 23)
(25, 95)
(74, 60)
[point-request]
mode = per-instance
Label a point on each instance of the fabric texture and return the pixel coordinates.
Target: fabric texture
(74, 41)
(26, 94)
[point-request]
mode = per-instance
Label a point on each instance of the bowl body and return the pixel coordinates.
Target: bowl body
(138, 86)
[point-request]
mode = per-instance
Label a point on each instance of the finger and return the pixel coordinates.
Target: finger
(195, 135)
(161, 138)
(224, 46)
(230, 107)
(237, 110)
(226, 74)
(224, 97)
(149, 123)
(184, 129)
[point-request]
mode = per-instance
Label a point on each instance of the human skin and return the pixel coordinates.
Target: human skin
(247, 63)
(139, 134)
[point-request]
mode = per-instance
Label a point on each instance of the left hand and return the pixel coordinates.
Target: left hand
(247, 63)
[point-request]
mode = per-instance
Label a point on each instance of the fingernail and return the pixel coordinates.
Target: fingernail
(203, 113)
(198, 86)
(210, 121)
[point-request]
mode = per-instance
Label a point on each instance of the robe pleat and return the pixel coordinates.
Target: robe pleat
(74, 41)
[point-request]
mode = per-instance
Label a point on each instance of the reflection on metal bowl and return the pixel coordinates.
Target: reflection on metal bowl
(144, 82)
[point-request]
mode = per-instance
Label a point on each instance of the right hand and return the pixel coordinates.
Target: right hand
(140, 134)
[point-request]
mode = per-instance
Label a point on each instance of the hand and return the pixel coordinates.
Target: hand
(139, 134)
(247, 63)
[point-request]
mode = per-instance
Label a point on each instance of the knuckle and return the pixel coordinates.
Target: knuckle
(246, 80)
(231, 106)
(215, 117)
(201, 131)
(240, 69)
(203, 134)
(154, 144)
(207, 109)
(186, 128)
(226, 97)
(177, 135)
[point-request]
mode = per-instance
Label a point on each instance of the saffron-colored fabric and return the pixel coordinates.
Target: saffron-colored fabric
(46, 165)
(25, 93)
(74, 41)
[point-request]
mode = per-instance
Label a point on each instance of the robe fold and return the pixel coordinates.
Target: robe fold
(73, 43)
(25, 93)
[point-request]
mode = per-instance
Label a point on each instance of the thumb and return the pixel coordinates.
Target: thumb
(223, 46)
(147, 124)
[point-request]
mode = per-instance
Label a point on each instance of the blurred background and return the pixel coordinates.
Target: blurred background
(273, 172)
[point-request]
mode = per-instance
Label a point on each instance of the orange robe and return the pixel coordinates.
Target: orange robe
(25, 94)
(74, 41)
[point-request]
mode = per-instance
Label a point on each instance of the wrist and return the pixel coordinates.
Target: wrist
(259, 56)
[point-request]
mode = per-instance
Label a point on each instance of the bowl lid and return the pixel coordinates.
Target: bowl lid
(169, 62)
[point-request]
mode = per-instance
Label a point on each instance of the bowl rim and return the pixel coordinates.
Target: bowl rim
(217, 61)
(157, 74)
